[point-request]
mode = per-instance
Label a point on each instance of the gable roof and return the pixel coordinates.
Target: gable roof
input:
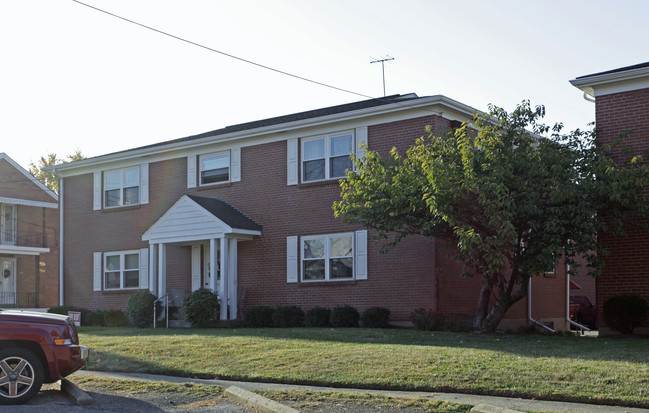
(30, 177)
(194, 218)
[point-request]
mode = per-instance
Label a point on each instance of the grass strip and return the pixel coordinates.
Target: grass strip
(567, 368)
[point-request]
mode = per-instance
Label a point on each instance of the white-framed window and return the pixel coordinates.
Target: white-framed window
(8, 224)
(122, 270)
(214, 168)
(327, 156)
(122, 187)
(327, 257)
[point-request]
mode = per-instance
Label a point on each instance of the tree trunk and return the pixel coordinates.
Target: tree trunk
(483, 307)
(487, 322)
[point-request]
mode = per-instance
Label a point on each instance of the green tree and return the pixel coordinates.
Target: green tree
(508, 196)
(48, 178)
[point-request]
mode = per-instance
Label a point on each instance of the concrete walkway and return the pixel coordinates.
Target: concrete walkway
(495, 401)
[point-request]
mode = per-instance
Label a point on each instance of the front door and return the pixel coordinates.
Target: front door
(7, 281)
(207, 270)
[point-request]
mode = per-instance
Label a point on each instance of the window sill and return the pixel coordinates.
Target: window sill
(308, 284)
(120, 208)
(328, 182)
(213, 186)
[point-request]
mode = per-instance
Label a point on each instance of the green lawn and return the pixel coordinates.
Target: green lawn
(570, 368)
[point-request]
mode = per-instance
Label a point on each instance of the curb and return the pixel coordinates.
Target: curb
(80, 397)
(256, 401)
(485, 408)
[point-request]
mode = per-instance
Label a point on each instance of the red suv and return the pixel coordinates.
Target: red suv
(35, 348)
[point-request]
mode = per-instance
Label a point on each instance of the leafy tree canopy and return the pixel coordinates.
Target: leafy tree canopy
(48, 178)
(508, 194)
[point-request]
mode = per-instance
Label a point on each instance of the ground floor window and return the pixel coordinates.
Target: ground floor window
(121, 270)
(328, 257)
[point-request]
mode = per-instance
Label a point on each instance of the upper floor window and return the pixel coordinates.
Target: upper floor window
(328, 257)
(215, 168)
(121, 270)
(8, 224)
(122, 187)
(327, 157)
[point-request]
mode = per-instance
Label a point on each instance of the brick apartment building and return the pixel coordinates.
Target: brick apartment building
(621, 99)
(247, 211)
(29, 222)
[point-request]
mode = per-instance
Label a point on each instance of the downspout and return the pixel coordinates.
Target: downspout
(588, 98)
(579, 326)
(60, 240)
(529, 308)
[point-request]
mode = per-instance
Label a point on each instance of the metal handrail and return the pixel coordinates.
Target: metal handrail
(166, 304)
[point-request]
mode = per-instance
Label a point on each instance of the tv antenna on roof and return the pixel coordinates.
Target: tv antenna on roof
(382, 60)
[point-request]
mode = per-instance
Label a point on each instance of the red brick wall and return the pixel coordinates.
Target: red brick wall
(627, 266)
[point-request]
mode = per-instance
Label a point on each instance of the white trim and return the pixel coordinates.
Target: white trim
(291, 162)
(196, 267)
(361, 138)
(29, 176)
(27, 202)
(96, 191)
(360, 255)
(98, 269)
(144, 184)
(235, 165)
(291, 259)
(616, 82)
(12, 249)
(153, 268)
(225, 271)
(191, 171)
(162, 270)
(61, 244)
(144, 268)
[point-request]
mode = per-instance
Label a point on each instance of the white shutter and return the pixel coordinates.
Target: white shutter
(144, 268)
(96, 185)
(144, 183)
(360, 255)
(196, 267)
(291, 259)
(191, 171)
(235, 165)
(291, 162)
(97, 270)
(361, 137)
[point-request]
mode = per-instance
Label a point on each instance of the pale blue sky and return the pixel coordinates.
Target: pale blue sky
(72, 77)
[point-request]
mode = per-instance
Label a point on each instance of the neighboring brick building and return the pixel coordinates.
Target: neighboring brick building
(247, 210)
(29, 225)
(622, 106)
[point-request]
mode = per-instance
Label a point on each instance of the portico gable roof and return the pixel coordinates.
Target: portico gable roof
(194, 218)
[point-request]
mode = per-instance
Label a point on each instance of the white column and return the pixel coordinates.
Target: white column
(232, 278)
(223, 288)
(213, 260)
(153, 268)
(162, 270)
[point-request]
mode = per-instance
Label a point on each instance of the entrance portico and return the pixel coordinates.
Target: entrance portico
(213, 229)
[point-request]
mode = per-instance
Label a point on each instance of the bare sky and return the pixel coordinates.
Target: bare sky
(74, 78)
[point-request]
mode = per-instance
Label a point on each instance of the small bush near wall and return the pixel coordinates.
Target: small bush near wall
(317, 317)
(259, 316)
(201, 307)
(345, 316)
(624, 313)
(115, 318)
(288, 316)
(95, 318)
(375, 317)
(139, 310)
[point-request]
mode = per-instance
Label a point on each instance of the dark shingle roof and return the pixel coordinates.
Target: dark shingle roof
(226, 213)
(621, 69)
(310, 114)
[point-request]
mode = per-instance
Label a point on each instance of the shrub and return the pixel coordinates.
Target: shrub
(345, 316)
(95, 318)
(428, 320)
(201, 307)
(115, 318)
(625, 312)
(317, 317)
(139, 310)
(375, 317)
(288, 316)
(258, 316)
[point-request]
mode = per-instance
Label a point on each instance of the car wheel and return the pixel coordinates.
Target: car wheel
(21, 375)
